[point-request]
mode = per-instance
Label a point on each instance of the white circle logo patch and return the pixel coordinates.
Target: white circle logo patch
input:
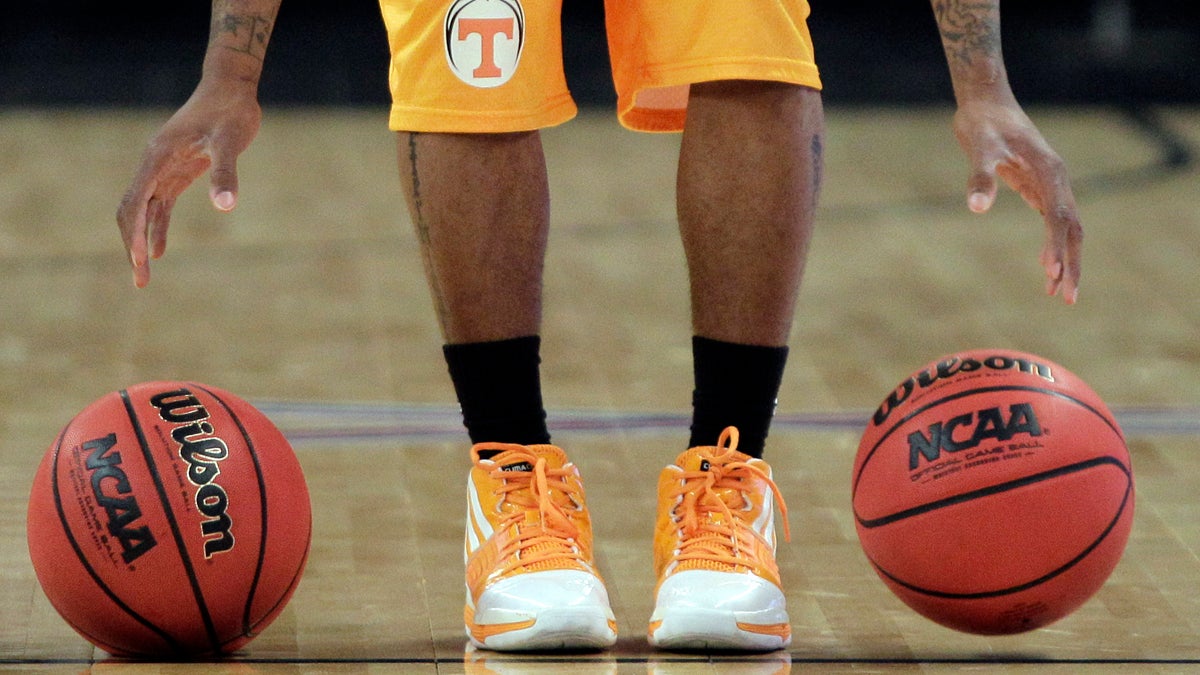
(484, 39)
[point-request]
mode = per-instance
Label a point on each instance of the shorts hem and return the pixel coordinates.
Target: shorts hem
(434, 120)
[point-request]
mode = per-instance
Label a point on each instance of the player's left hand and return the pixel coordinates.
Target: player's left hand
(1000, 140)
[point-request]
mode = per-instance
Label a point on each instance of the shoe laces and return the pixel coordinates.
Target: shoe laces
(714, 515)
(538, 506)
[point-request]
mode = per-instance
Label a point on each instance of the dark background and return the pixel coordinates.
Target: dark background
(87, 52)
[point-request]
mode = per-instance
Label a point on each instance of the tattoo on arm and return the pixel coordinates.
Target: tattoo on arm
(970, 29)
(248, 32)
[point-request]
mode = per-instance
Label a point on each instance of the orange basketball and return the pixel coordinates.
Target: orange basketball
(169, 519)
(993, 492)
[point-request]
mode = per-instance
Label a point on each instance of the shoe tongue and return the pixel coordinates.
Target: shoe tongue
(524, 458)
(522, 465)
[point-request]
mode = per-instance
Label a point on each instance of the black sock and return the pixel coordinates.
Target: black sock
(736, 385)
(499, 389)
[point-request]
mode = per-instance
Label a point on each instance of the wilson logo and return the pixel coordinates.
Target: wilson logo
(968, 431)
(484, 40)
(203, 451)
(951, 367)
(112, 491)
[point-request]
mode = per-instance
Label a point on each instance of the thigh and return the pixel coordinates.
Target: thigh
(476, 65)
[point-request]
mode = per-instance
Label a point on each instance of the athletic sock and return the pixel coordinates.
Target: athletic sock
(736, 385)
(499, 389)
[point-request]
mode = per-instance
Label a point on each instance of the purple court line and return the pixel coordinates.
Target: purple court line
(325, 423)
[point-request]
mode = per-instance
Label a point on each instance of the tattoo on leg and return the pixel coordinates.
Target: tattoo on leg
(422, 228)
(418, 211)
(818, 161)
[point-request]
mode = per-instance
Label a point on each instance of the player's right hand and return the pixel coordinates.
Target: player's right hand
(216, 124)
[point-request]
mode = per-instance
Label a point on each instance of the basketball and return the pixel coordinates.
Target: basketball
(169, 519)
(993, 492)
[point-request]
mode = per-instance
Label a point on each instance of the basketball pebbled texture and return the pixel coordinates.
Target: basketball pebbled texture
(993, 492)
(169, 519)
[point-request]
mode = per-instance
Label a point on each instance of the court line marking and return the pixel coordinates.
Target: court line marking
(313, 423)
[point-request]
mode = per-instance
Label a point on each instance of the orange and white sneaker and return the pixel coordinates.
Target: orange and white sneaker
(531, 580)
(714, 553)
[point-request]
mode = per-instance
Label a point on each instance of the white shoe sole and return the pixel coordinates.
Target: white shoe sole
(707, 629)
(552, 629)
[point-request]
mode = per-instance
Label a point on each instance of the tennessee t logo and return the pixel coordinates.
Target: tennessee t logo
(484, 40)
(487, 30)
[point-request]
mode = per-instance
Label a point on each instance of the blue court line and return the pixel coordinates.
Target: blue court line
(325, 423)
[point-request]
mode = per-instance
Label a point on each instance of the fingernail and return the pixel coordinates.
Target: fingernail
(977, 202)
(224, 200)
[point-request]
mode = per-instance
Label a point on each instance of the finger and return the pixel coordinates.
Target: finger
(224, 187)
(131, 220)
(135, 216)
(159, 226)
(1062, 251)
(140, 261)
(141, 275)
(1047, 188)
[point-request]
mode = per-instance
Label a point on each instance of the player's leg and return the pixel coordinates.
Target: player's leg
(748, 179)
(742, 85)
(480, 206)
(749, 173)
(470, 88)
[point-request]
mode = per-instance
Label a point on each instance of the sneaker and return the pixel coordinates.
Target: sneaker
(531, 580)
(714, 553)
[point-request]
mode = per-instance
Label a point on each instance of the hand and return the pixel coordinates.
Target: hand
(215, 125)
(1000, 140)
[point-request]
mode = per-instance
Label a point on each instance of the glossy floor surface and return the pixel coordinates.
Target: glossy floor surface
(309, 300)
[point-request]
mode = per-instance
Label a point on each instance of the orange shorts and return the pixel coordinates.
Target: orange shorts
(492, 66)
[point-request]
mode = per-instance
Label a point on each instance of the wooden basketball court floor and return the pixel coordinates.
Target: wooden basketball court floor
(309, 301)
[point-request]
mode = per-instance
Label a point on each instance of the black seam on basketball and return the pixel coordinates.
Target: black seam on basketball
(66, 528)
(262, 491)
(180, 543)
(253, 631)
(962, 394)
(1029, 584)
(993, 489)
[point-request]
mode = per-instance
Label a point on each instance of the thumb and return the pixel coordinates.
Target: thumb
(981, 190)
(223, 190)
